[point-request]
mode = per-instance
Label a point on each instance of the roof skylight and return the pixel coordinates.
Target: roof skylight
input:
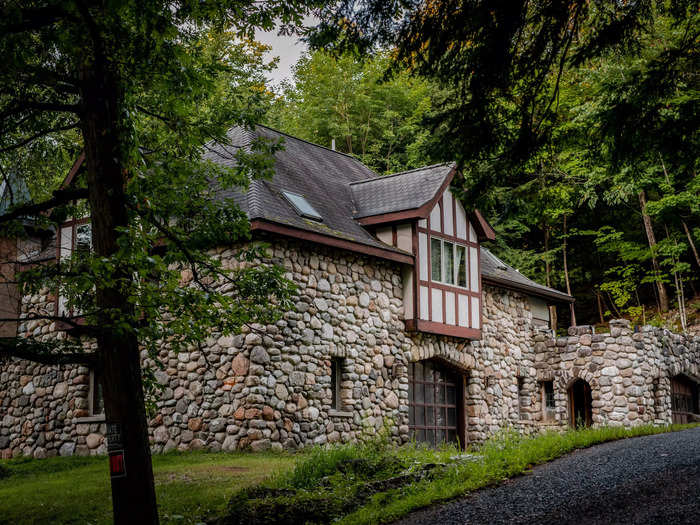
(302, 206)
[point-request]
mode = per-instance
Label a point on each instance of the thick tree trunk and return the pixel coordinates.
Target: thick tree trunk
(663, 296)
(133, 495)
(566, 277)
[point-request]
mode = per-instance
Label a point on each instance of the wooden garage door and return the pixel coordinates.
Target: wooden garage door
(682, 399)
(434, 403)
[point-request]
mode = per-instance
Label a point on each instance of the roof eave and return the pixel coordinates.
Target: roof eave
(556, 296)
(264, 225)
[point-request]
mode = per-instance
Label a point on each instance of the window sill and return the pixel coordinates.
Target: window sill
(339, 413)
(90, 419)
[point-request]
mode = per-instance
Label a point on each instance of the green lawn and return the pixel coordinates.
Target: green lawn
(191, 487)
(342, 483)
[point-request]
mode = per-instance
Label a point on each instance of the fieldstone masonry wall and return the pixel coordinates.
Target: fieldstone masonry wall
(269, 388)
(629, 371)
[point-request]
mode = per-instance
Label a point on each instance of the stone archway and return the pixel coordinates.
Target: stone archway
(580, 404)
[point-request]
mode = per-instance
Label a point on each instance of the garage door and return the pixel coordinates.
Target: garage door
(435, 403)
(683, 399)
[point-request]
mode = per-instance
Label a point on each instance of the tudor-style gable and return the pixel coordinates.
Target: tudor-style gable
(415, 211)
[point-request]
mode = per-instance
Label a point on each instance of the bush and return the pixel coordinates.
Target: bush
(4, 471)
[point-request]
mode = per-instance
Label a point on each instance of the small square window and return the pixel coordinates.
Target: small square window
(436, 259)
(96, 401)
(548, 392)
(461, 265)
(448, 258)
(83, 238)
(336, 380)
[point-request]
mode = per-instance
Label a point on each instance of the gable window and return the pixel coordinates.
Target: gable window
(448, 262)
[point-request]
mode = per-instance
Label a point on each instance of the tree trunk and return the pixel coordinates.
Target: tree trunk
(663, 296)
(566, 276)
(692, 243)
(552, 309)
(133, 495)
(599, 300)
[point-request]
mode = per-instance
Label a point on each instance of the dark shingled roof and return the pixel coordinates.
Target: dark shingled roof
(496, 271)
(407, 190)
(321, 175)
(343, 189)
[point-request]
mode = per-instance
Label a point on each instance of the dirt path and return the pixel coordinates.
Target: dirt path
(647, 480)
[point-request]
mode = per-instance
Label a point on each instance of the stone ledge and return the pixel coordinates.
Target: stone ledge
(90, 419)
(339, 413)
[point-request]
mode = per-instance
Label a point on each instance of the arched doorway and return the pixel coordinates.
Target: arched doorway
(580, 404)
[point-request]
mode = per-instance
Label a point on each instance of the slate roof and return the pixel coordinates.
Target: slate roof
(406, 190)
(321, 175)
(342, 189)
(496, 271)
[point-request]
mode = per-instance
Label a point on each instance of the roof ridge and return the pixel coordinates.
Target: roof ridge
(313, 144)
(400, 173)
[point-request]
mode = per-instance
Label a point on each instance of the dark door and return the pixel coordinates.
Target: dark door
(683, 393)
(436, 401)
(580, 404)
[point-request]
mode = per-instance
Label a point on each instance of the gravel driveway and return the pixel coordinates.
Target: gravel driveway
(652, 479)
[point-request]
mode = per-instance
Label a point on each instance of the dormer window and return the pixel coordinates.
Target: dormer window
(302, 206)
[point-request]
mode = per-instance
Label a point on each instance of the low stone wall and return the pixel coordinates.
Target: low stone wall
(629, 371)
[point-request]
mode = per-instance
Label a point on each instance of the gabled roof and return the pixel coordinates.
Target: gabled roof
(346, 193)
(407, 190)
(321, 175)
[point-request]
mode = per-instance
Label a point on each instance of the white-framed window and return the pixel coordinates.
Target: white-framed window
(448, 263)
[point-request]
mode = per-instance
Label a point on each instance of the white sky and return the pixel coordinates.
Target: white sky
(287, 48)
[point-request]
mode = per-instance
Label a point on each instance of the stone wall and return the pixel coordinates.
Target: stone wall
(629, 371)
(270, 387)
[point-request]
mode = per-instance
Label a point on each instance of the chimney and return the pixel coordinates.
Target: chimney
(333, 144)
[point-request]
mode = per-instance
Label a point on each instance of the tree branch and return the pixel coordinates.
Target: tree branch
(59, 197)
(40, 134)
(56, 353)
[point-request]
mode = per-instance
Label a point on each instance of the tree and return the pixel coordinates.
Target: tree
(354, 103)
(148, 86)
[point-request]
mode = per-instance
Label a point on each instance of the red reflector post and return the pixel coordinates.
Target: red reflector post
(117, 468)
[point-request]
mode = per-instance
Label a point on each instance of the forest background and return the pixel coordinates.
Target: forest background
(608, 208)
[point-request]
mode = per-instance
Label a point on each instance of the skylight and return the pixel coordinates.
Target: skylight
(301, 205)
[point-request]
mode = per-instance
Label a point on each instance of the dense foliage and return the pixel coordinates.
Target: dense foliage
(575, 124)
(349, 101)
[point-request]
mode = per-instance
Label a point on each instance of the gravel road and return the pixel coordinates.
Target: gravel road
(647, 480)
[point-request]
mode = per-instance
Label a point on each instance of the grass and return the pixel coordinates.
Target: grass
(191, 487)
(348, 484)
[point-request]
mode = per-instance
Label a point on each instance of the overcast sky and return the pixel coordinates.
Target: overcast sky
(287, 48)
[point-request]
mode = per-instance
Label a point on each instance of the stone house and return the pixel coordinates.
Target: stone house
(403, 319)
